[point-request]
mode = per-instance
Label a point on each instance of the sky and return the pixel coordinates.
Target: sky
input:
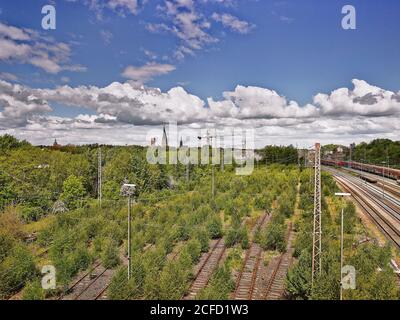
(113, 70)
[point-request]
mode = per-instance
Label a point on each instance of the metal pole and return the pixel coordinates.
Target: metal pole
(383, 182)
(223, 160)
(213, 182)
(129, 237)
(99, 177)
(341, 256)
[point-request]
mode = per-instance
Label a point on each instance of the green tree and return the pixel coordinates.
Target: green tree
(73, 192)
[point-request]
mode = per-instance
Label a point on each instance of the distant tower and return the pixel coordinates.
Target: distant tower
(181, 143)
(153, 141)
(56, 145)
(164, 141)
(317, 245)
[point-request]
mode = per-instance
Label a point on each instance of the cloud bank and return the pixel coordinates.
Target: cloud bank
(363, 112)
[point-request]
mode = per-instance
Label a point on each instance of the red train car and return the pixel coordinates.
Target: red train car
(382, 171)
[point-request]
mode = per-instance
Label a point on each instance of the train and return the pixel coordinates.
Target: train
(382, 171)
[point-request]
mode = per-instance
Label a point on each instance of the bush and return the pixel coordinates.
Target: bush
(33, 291)
(15, 270)
(214, 227)
(203, 239)
(29, 214)
(109, 254)
(220, 286)
(274, 237)
(237, 235)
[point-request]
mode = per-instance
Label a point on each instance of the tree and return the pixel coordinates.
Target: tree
(274, 237)
(214, 227)
(298, 280)
(111, 190)
(73, 192)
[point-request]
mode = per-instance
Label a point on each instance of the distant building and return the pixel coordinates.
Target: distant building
(153, 141)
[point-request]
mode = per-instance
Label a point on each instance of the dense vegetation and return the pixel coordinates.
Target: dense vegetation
(378, 151)
(48, 205)
(279, 154)
(374, 277)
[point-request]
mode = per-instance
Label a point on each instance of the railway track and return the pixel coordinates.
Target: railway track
(384, 213)
(275, 287)
(92, 285)
(248, 282)
(206, 268)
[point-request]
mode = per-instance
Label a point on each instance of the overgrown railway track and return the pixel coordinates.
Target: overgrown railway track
(92, 285)
(208, 265)
(275, 287)
(247, 284)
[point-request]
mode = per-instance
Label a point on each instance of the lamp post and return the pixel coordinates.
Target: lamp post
(341, 194)
(128, 190)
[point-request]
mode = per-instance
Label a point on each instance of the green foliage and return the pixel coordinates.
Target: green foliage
(214, 227)
(109, 254)
(235, 236)
(298, 280)
(16, 269)
(111, 190)
(377, 151)
(279, 154)
(274, 236)
(73, 192)
(375, 279)
(8, 142)
(33, 291)
(220, 286)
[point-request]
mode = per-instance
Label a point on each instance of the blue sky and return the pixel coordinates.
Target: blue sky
(296, 48)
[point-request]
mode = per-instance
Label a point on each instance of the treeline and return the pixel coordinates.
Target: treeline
(379, 151)
(40, 180)
(279, 154)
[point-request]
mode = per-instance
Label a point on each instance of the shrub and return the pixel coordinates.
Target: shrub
(16, 269)
(109, 254)
(214, 227)
(33, 291)
(274, 237)
(220, 286)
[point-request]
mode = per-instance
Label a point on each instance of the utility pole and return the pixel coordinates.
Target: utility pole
(223, 159)
(128, 190)
(317, 245)
(99, 177)
(129, 238)
(341, 194)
